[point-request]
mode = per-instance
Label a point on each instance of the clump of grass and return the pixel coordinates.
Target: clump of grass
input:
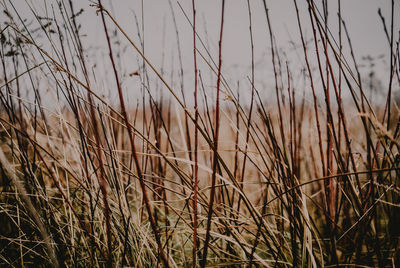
(88, 182)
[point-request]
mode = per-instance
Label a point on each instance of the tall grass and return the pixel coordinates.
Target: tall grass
(169, 182)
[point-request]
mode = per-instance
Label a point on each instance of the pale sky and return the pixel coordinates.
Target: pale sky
(361, 16)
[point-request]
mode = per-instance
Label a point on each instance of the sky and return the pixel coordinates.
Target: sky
(156, 18)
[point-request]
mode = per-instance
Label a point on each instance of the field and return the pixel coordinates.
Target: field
(195, 175)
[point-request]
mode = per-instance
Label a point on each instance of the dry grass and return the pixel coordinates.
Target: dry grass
(303, 183)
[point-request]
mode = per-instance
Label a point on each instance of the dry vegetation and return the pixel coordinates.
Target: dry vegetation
(213, 182)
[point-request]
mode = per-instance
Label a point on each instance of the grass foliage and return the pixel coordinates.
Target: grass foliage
(186, 178)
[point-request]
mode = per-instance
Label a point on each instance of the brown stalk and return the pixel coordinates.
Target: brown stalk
(132, 142)
(215, 145)
(251, 104)
(196, 140)
(103, 177)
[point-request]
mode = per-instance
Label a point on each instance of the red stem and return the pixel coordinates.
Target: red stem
(215, 155)
(133, 149)
(196, 165)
